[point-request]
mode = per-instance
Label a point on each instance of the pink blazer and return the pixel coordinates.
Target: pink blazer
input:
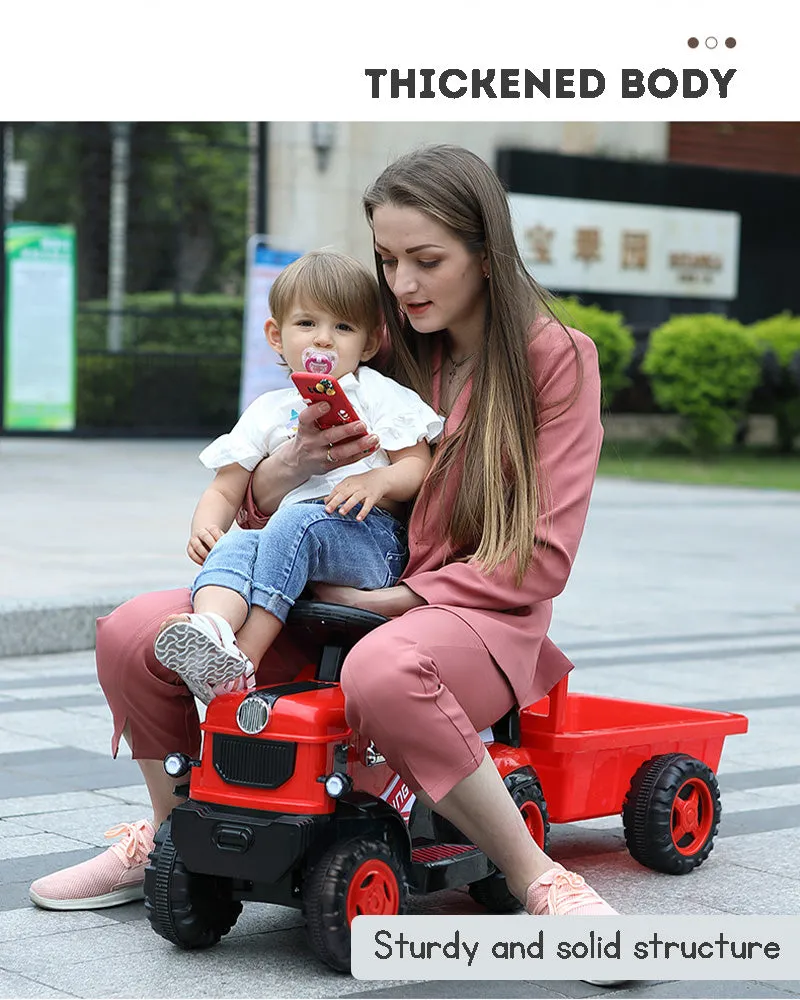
(513, 622)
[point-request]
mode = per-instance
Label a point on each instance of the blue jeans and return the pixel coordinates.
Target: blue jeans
(302, 543)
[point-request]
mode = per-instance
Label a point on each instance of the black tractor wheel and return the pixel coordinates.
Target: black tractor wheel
(188, 909)
(492, 892)
(353, 877)
(671, 813)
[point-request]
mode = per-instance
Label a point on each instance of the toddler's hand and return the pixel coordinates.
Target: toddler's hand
(202, 542)
(367, 488)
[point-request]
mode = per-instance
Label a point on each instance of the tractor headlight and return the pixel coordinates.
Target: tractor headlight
(336, 785)
(177, 764)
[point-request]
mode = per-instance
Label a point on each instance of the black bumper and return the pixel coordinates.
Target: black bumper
(237, 843)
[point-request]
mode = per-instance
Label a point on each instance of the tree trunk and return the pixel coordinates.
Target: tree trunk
(94, 177)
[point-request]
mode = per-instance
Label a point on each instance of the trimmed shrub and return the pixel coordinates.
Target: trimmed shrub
(170, 393)
(780, 337)
(613, 339)
(105, 391)
(705, 368)
(178, 371)
(209, 324)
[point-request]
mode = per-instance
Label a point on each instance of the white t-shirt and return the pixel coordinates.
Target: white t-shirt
(396, 414)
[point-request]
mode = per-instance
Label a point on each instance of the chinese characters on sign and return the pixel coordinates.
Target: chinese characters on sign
(574, 244)
(588, 247)
(634, 250)
(587, 244)
(538, 240)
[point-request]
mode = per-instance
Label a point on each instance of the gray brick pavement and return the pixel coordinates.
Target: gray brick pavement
(681, 595)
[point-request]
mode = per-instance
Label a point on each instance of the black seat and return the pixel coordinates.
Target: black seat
(335, 627)
(333, 622)
(507, 729)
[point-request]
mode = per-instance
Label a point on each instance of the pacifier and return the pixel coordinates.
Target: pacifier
(319, 362)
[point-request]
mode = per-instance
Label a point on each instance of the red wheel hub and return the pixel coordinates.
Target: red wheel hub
(373, 891)
(692, 816)
(533, 821)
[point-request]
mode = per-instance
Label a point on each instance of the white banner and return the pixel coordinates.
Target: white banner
(40, 340)
(579, 245)
(261, 369)
(631, 947)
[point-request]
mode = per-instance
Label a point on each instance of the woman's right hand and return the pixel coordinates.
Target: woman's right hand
(309, 450)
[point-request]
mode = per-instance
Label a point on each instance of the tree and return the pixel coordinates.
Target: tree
(187, 200)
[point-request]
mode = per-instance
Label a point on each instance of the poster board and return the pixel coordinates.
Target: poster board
(39, 362)
(261, 370)
(581, 245)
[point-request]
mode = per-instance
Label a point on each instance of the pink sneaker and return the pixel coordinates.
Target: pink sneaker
(559, 892)
(202, 650)
(116, 876)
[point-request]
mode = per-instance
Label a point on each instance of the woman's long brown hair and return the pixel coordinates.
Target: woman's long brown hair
(493, 452)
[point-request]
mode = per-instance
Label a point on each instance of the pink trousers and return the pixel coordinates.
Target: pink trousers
(421, 686)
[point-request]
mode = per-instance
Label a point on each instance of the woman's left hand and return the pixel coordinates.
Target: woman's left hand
(390, 602)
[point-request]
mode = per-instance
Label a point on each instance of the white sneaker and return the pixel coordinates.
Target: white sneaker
(202, 651)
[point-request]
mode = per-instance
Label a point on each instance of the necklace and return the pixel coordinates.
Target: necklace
(455, 365)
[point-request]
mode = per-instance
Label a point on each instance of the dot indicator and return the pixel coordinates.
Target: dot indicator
(730, 43)
(693, 43)
(711, 42)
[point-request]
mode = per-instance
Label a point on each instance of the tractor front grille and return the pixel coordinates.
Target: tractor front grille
(240, 760)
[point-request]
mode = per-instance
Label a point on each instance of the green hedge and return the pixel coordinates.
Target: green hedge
(180, 368)
(201, 324)
(614, 340)
(705, 368)
(780, 335)
(188, 394)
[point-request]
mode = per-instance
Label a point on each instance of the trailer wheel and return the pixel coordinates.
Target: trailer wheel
(671, 813)
(186, 908)
(353, 877)
(492, 891)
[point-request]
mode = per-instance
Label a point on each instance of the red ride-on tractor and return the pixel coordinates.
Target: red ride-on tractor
(288, 805)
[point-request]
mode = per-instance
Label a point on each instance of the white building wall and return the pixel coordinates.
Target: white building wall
(310, 207)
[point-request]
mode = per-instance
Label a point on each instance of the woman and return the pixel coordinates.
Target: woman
(492, 537)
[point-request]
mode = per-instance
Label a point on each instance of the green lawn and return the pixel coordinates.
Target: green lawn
(754, 467)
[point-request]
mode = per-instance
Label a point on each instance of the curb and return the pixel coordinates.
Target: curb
(38, 629)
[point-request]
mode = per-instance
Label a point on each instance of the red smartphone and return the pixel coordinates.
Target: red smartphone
(325, 389)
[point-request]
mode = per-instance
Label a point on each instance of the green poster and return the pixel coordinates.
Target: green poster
(40, 352)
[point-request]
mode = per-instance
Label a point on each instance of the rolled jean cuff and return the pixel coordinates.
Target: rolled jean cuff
(227, 578)
(272, 600)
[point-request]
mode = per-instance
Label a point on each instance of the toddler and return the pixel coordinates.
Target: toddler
(325, 318)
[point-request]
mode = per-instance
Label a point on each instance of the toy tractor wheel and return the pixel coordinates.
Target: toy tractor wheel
(353, 877)
(492, 892)
(188, 909)
(671, 813)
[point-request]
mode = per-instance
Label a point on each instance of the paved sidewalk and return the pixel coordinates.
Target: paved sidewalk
(85, 525)
(679, 595)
